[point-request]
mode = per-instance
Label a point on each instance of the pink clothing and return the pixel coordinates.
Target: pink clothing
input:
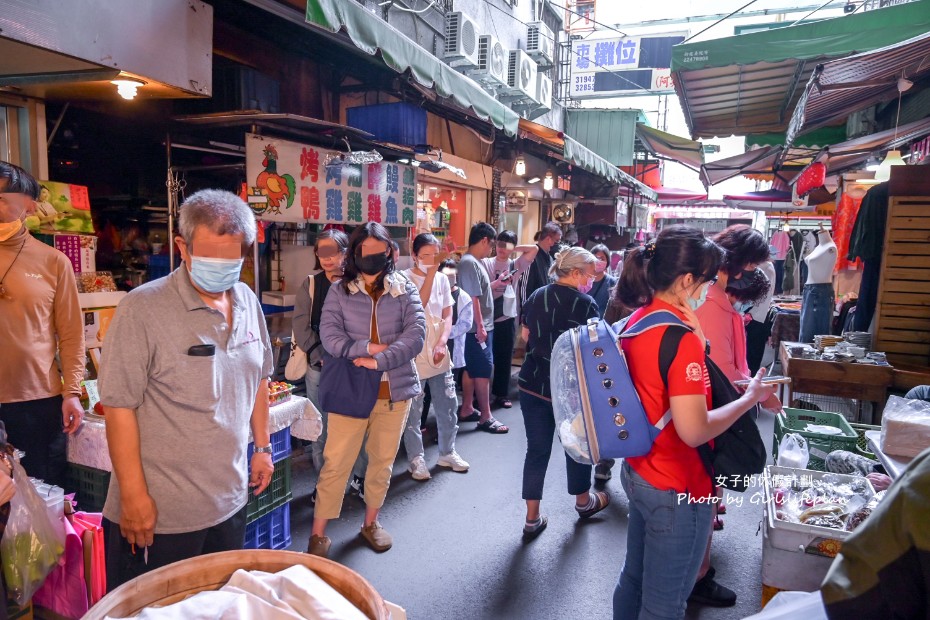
(780, 242)
(723, 327)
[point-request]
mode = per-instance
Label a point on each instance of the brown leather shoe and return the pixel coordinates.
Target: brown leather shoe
(377, 537)
(319, 545)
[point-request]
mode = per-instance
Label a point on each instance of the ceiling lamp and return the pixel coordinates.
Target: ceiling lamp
(127, 88)
(893, 158)
(548, 182)
(520, 167)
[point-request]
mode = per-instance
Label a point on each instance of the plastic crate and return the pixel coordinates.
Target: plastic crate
(272, 531)
(90, 486)
(280, 446)
(862, 444)
(819, 445)
(796, 556)
(276, 495)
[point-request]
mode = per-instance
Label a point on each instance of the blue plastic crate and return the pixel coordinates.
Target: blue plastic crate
(280, 446)
(273, 531)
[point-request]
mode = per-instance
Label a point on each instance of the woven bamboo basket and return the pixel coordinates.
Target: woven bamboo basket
(180, 580)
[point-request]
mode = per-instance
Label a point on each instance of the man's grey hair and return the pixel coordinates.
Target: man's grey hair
(570, 259)
(220, 212)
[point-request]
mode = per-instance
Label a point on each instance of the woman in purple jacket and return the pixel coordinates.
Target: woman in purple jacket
(375, 315)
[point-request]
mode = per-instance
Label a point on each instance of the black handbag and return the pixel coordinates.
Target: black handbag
(348, 389)
(738, 453)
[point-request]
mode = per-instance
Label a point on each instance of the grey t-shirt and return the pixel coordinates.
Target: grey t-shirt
(194, 412)
(473, 279)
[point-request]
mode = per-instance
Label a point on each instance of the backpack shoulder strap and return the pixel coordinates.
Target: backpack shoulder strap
(668, 349)
(652, 320)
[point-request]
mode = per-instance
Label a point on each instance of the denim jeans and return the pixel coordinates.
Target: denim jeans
(816, 311)
(665, 544)
(316, 448)
(446, 406)
(539, 421)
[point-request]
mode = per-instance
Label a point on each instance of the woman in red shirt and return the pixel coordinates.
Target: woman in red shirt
(670, 491)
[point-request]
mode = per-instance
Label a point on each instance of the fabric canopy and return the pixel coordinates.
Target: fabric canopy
(769, 200)
(585, 158)
(840, 87)
(371, 35)
(852, 153)
(711, 210)
(751, 82)
(815, 140)
(677, 196)
(685, 151)
(757, 161)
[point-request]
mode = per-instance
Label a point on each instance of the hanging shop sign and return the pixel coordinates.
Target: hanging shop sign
(623, 66)
(61, 207)
(292, 182)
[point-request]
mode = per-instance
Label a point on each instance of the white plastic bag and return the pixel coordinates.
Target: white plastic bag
(793, 605)
(905, 427)
(32, 543)
(792, 451)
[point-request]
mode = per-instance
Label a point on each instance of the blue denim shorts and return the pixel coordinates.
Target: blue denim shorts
(479, 362)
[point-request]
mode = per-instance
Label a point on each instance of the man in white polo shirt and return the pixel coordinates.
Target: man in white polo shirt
(183, 377)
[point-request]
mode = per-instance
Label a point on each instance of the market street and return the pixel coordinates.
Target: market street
(458, 551)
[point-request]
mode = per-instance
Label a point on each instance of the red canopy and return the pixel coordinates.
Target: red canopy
(676, 195)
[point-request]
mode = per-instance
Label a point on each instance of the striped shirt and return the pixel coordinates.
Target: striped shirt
(548, 313)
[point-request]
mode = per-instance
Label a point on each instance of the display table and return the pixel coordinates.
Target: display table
(894, 465)
(859, 381)
(785, 327)
(88, 445)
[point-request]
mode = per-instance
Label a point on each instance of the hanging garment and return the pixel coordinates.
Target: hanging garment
(780, 242)
(790, 279)
(868, 236)
(847, 209)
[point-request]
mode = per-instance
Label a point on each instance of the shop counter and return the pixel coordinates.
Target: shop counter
(859, 381)
(88, 445)
(894, 465)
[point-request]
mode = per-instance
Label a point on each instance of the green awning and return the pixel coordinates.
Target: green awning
(751, 83)
(669, 146)
(815, 140)
(583, 157)
(371, 35)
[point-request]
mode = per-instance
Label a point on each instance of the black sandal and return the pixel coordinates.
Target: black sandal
(502, 403)
(493, 426)
(531, 532)
(474, 416)
(601, 501)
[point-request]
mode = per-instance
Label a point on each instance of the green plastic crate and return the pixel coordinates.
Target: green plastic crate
(90, 486)
(819, 445)
(862, 444)
(276, 495)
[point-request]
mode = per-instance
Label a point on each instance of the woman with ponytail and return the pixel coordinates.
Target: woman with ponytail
(669, 489)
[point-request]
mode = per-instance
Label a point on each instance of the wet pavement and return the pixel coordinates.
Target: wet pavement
(458, 549)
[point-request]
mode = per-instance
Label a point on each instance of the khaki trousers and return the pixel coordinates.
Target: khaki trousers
(383, 429)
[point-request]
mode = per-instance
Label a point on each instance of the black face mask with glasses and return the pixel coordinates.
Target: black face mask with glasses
(373, 264)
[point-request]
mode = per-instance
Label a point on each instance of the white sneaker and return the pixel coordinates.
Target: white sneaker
(418, 469)
(454, 461)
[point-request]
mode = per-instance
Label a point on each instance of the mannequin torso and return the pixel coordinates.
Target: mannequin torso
(821, 260)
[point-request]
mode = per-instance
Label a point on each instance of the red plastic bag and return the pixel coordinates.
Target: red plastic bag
(95, 559)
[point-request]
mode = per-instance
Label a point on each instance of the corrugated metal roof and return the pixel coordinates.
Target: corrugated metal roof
(609, 133)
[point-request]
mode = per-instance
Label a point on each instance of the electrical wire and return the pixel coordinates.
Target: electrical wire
(596, 23)
(722, 19)
(431, 4)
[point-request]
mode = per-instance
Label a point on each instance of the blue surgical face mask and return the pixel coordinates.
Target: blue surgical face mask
(215, 275)
(697, 303)
(742, 306)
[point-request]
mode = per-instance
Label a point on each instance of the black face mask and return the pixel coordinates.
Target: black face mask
(373, 264)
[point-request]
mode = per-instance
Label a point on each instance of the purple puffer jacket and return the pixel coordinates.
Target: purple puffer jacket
(346, 323)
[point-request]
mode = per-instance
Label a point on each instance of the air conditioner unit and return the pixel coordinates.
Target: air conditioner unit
(461, 49)
(492, 62)
(544, 91)
(563, 212)
(521, 75)
(540, 43)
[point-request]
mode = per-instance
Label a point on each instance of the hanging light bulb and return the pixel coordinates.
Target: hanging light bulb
(127, 88)
(520, 167)
(548, 181)
(893, 158)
